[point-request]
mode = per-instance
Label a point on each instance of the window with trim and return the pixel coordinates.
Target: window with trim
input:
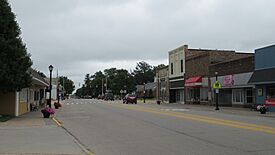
(270, 94)
(237, 96)
(181, 65)
(172, 72)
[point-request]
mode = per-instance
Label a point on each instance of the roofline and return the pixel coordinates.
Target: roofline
(166, 66)
(264, 47)
(214, 50)
(182, 46)
(41, 81)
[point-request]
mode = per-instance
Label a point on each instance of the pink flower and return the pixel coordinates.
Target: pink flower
(48, 110)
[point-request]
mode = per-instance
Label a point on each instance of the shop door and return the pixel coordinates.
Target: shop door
(249, 96)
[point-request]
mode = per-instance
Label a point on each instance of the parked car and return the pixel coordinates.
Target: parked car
(130, 99)
(100, 97)
(109, 96)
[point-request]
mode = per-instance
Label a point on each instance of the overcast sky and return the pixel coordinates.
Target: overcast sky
(84, 36)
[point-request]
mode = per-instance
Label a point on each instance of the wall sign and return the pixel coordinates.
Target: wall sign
(228, 80)
(260, 92)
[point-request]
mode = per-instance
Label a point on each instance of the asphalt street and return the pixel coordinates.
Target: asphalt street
(113, 128)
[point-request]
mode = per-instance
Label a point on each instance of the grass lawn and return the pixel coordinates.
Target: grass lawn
(5, 118)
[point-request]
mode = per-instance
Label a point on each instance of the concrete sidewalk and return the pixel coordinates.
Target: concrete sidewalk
(199, 107)
(32, 134)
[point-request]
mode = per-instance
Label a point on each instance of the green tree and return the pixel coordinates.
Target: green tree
(96, 83)
(143, 73)
(67, 84)
(15, 61)
(123, 81)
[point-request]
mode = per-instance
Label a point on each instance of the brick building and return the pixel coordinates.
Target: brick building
(162, 83)
(198, 72)
(234, 75)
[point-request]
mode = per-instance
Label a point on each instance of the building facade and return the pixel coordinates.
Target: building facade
(200, 65)
(21, 102)
(264, 76)
(176, 74)
(162, 83)
(234, 76)
(55, 83)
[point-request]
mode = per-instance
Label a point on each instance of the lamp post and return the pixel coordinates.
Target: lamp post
(58, 92)
(50, 97)
(217, 93)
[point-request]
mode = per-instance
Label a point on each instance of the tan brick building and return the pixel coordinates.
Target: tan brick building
(198, 71)
(162, 81)
(189, 72)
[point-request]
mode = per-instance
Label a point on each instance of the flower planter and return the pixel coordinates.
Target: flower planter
(47, 112)
(46, 115)
(263, 110)
(158, 102)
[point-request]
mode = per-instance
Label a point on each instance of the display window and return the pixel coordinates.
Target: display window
(270, 92)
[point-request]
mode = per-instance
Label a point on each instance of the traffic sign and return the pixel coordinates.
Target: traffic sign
(217, 85)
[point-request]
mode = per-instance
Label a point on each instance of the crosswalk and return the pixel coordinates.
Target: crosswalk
(79, 103)
(83, 102)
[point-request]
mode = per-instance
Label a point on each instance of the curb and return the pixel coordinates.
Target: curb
(57, 122)
(76, 140)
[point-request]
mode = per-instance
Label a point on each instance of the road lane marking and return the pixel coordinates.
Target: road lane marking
(223, 120)
(180, 109)
(236, 124)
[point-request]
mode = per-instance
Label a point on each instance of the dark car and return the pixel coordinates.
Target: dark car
(130, 99)
(109, 96)
(100, 97)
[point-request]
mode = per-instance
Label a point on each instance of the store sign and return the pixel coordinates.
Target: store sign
(228, 80)
(270, 102)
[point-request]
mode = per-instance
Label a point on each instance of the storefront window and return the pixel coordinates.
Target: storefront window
(238, 96)
(270, 92)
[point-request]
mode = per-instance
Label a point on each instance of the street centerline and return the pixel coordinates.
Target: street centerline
(236, 124)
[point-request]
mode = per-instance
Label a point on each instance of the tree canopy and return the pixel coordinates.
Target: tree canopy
(116, 80)
(143, 73)
(111, 79)
(67, 84)
(15, 61)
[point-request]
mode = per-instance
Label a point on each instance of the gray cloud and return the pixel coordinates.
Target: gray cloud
(83, 36)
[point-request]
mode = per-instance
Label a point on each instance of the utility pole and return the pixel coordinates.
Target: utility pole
(106, 84)
(102, 87)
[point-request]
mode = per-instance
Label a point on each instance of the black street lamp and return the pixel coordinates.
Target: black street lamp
(58, 92)
(217, 93)
(50, 98)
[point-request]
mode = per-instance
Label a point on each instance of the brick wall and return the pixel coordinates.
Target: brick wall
(198, 61)
(197, 66)
(236, 66)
